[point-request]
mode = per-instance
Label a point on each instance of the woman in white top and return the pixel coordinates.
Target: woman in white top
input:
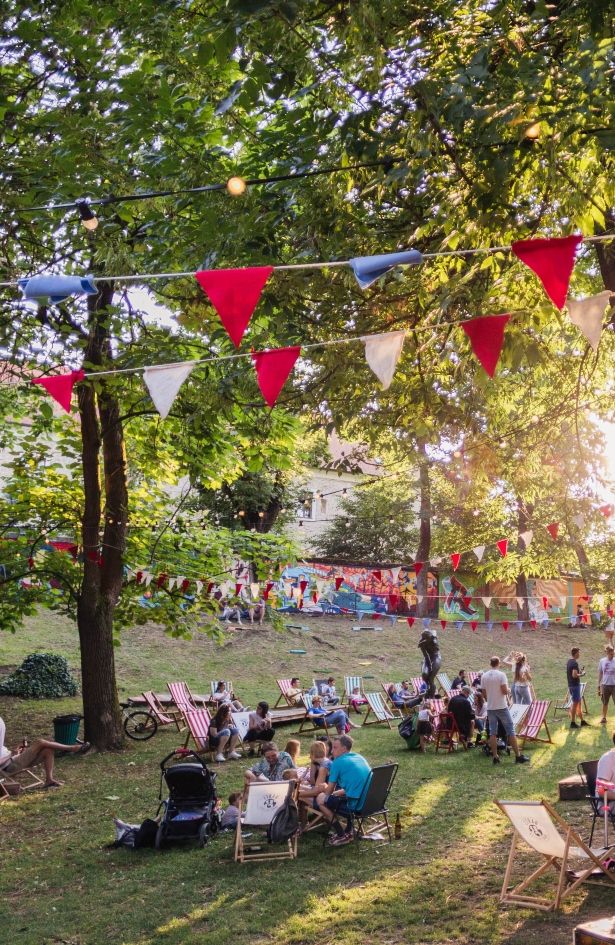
(222, 696)
(521, 687)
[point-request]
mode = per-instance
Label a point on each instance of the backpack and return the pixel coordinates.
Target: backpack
(408, 732)
(285, 821)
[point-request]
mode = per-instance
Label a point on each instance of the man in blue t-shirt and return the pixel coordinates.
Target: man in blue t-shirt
(349, 778)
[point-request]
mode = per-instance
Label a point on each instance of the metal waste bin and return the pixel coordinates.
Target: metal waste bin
(66, 728)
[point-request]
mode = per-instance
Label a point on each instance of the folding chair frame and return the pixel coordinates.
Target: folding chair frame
(288, 852)
(163, 716)
(523, 736)
(565, 704)
(451, 733)
(517, 894)
(307, 719)
(372, 711)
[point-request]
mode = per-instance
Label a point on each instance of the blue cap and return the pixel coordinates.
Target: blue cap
(368, 269)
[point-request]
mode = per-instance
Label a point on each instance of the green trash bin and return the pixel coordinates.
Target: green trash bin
(66, 728)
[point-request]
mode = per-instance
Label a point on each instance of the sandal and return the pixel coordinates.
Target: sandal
(83, 749)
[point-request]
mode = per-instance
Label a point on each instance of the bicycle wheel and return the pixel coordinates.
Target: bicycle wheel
(140, 725)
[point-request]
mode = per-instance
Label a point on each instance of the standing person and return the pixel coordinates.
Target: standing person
(223, 735)
(521, 688)
(606, 680)
(40, 752)
(260, 728)
(609, 630)
(462, 711)
(494, 686)
(349, 776)
(574, 673)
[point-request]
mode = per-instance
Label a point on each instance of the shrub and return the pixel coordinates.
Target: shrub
(40, 676)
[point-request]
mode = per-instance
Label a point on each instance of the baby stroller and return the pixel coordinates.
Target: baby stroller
(191, 810)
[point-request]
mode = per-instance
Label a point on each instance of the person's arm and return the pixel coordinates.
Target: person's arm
(575, 673)
(599, 675)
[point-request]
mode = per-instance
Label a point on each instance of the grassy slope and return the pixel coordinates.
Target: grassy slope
(439, 884)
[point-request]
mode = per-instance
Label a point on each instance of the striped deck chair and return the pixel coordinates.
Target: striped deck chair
(182, 697)
(564, 705)
(377, 707)
(534, 721)
(416, 682)
(163, 716)
(385, 688)
(472, 677)
(437, 707)
(518, 713)
(306, 720)
(444, 682)
(284, 686)
(213, 685)
(198, 722)
(350, 683)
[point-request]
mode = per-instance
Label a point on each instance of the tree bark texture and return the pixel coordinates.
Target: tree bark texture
(423, 550)
(102, 438)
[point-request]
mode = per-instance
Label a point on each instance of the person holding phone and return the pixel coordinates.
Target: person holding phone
(574, 674)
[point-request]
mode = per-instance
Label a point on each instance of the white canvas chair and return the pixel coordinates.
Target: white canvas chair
(241, 721)
(350, 683)
(564, 705)
(377, 708)
(444, 682)
(213, 685)
(546, 833)
(256, 812)
(518, 712)
(307, 720)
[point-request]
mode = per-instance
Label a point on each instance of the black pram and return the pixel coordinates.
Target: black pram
(191, 810)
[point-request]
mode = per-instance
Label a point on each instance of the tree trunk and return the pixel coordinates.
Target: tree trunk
(102, 564)
(423, 550)
(523, 610)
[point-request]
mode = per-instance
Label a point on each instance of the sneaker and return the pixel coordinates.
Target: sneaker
(341, 840)
(522, 760)
(603, 721)
(234, 755)
(496, 759)
(584, 723)
(220, 757)
(574, 725)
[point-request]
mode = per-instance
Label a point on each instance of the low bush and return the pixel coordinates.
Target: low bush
(40, 676)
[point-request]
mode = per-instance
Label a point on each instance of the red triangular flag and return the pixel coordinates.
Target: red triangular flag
(610, 611)
(315, 596)
(486, 336)
(505, 624)
(418, 567)
(377, 575)
(338, 583)
(443, 624)
(301, 603)
(455, 558)
(234, 293)
(161, 579)
(60, 386)
(552, 260)
(553, 529)
(185, 585)
(545, 603)
(466, 601)
(272, 370)
(607, 510)
(474, 625)
(393, 600)
(267, 590)
(533, 624)
(410, 621)
(210, 587)
(302, 586)
(503, 546)
(238, 587)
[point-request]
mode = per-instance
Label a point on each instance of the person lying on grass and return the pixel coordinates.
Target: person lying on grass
(40, 752)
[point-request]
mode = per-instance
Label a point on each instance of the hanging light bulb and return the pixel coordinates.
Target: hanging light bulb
(241, 513)
(261, 515)
(236, 186)
(86, 214)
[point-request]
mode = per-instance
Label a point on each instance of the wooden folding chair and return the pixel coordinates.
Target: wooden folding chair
(256, 813)
(13, 784)
(518, 712)
(284, 685)
(198, 722)
(472, 677)
(308, 720)
(385, 688)
(163, 716)
(534, 721)
(546, 833)
(447, 734)
(183, 698)
(564, 705)
(416, 682)
(350, 683)
(444, 683)
(377, 708)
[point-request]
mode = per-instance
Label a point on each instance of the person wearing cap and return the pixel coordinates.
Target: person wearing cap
(606, 679)
(462, 711)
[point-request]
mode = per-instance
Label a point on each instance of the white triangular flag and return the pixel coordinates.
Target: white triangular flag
(255, 591)
(395, 575)
(434, 562)
(579, 520)
(163, 381)
(173, 582)
(587, 315)
(382, 354)
(148, 577)
(526, 537)
(199, 586)
(487, 601)
(520, 601)
(180, 580)
(479, 551)
(563, 601)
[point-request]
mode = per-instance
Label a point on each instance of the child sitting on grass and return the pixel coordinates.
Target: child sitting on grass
(231, 814)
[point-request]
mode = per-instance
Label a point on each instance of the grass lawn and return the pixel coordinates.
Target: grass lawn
(439, 883)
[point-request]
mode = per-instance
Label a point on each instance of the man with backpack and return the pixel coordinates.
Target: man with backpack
(349, 776)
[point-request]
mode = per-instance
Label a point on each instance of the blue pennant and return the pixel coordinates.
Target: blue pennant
(426, 622)
(368, 269)
(459, 624)
(56, 288)
(519, 624)
(489, 625)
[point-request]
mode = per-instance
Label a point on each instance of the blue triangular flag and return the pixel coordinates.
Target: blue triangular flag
(489, 625)
(368, 269)
(426, 622)
(56, 288)
(459, 624)
(519, 624)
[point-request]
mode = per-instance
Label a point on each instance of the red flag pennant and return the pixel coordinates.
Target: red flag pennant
(234, 293)
(272, 370)
(161, 579)
(338, 583)
(302, 586)
(377, 575)
(301, 603)
(185, 585)
(505, 624)
(533, 624)
(503, 546)
(418, 567)
(466, 601)
(553, 529)
(474, 625)
(138, 577)
(552, 260)
(267, 590)
(238, 587)
(393, 600)
(455, 558)
(210, 587)
(410, 621)
(610, 611)
(315, 596)
(443, 624)
(607, 510)
(486, 336)
(545, 603)
(60, 386)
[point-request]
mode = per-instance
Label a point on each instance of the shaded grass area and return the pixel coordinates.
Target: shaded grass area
(439, 883)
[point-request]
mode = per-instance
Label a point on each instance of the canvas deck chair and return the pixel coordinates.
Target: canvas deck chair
(371, 816)
(350, 683)
(213, 685)
(11, 785)
(472, 677)
(416, 682)
(198, 722)
(256, 812)
(377, 708)
(309, 724)
(444, 682)
(284, 685)
(385, 688)
(437, 707)
(183, 698)
(535, 719)
(564, 705)
(518, 712)
(163, 716)
(546, 833)
(241, 721)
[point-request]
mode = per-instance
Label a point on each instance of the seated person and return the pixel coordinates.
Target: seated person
(327, 742)
(480, 713)
(222, 696)
(460, 680)
(231, 612)
(40, 752)
(349, 776)
(319, 714)
(461, 709)
(314, 780)
(328, 692)
(357, 699)
(294, 694)
(424, 724)
(406, 692)
(260, 728)
(275, 765)
(231, 814)
(605, 776)
(255, 608)
(293, 748)
(395, 696)
(223, 735)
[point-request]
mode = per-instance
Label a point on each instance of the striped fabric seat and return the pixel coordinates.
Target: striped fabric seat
(352, 682)
(444, 682)
(214, 685)
(198, 722)
(534, 721)
(182, 697)
(377, 708)
(161, 716)
(565, 704)
(416, 682)
(472, 677)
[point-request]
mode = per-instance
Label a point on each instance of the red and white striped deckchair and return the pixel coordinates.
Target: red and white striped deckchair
(472, 677)
(284, 685)
(437, 707)
(416, 682)
(169, 717)
(182, 697)
(198, 722)
(534, 721)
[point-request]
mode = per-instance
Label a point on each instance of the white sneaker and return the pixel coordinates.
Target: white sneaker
(220, 757)
(234, 755)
